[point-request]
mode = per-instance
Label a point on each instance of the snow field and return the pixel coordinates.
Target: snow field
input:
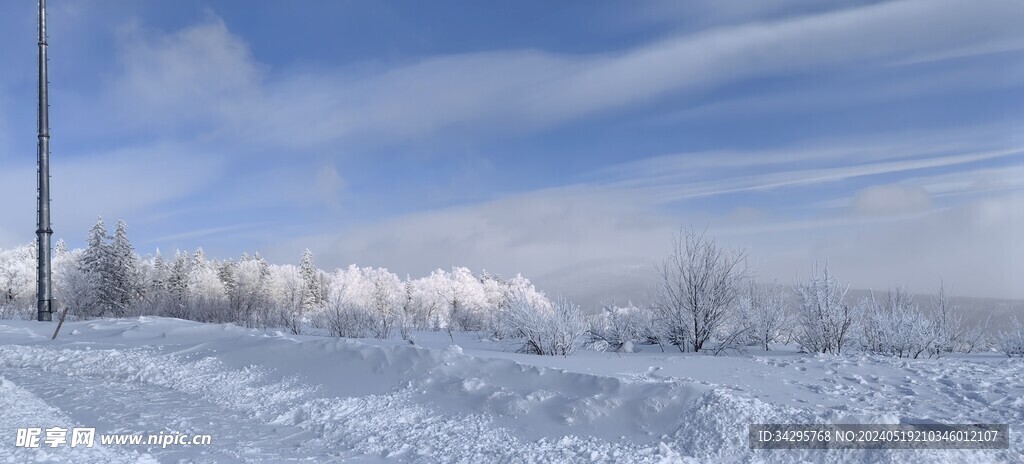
(270, 397)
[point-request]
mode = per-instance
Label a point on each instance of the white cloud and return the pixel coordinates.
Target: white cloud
(204, 84)
(532, 233)
(671, 179)
(714, 12)
(972, 181)
(891, 199)
(194, 76)
(113, 185)
(206, 72)
(975, 247)
(965, 182)
(863, 87)
(987, 48)
(595, 243)
(825, 152)
(201, 233)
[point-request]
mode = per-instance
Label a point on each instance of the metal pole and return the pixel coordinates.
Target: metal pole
(43, 232)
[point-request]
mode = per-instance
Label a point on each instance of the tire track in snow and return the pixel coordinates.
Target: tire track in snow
(22, 409)
(386, 426)
(134, 408)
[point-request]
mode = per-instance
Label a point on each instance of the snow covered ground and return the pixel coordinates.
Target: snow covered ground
(271, 397)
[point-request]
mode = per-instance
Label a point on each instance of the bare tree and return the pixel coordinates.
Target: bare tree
(764, 310)
(386, 297)
(1011, 341)
(555, 330)
(824, 316)
(899, 327)
(949, 325)
(617, 328)
(700, 286)
(977, 337)
(342, 317)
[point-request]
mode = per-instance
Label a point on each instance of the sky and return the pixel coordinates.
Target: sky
(567, 141)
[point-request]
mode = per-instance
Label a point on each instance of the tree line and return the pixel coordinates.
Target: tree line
(707, 301)
(109, 279)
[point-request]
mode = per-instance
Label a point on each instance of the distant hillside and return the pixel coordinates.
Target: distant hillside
(621, 282)
(599, 283)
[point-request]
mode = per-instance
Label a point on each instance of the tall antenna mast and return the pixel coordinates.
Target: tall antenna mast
(44, 289)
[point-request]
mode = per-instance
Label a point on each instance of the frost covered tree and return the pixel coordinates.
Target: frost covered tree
(428, 301)
(408, 313)
(825, 320)
(898, 328)
(764, 310)
(155, 273)
(620, 328)
(466, 300)
(365, 301)
(60, 247)
(226, 271)
(288, 293)
(206, 295)
(700, 284)
(949, 324)
(1010, 341)
(499, 295)
(97, 263)
(177, 286)
(17, 282)
(977, 338)
(556, 330)
(313, 297)
(494, 289)
(112, 269)
(453, 300)
(387, 297)
(109, 278)
(344, 315)
(249, 296)
(496, 294)
(376, 295)
(72, 286)
(124, 271)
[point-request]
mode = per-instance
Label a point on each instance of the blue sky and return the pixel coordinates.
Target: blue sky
(563, 140)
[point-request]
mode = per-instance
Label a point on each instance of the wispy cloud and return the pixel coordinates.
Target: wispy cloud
(515, 90)
(824, 152)
(970, 182)
(1004, 45)
(112, 184)
(670, 179)
(201, 233)
(605, 234)
(231, 142)
(529, 233)
(973, 181)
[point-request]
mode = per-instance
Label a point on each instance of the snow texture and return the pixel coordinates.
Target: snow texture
(271, 397)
